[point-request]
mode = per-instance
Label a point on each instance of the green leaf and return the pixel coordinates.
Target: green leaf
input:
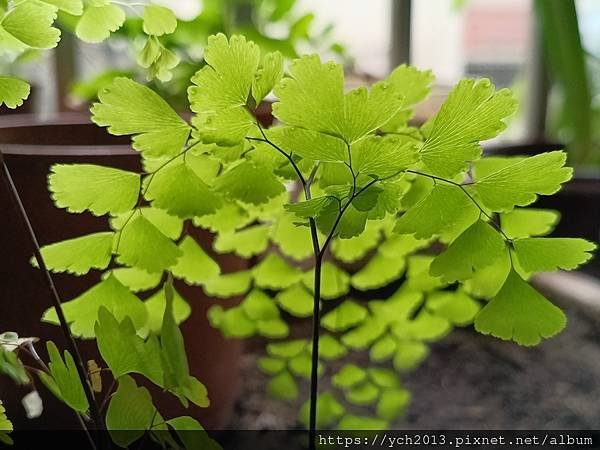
(141, 244)
(221, 88)
(82, 312)
(6, 426)
(99, 189)
(486, 166)
(351, 422)
(352, 223)
(97, 22)
(392, 403)
(13, 91)
(159, 20)
(474, 249)
(259, 306)
(271, 366)
(191, 433)
(267, 76)
(364, 394)
(401, 245)
(127, 107)
(275, 273)
(249, 183)
(334, 281)
(301, 365)
(293, 241)
(349, 376)
(79, 255)
(522, 223)
(419, 276)
(227, 219)
(296, 300)
(384, 378)
(273, 328)
(174, 358)
(414, 85)
(365, 334)
(155, 306)
(383, 349)
(73, 7)
(310, 208)
(194, 266)
(409, 354)
(441, 208)
(345, 316)
(124, 351)
(245, 243)
(158, 59)
(424, 327)
(178, 190)
(130, 412)
(487, 282)
(457, 307)
(329, 410)
(229, 284)
(401, 305)
(63, 380)
(473, 112)
(309, 144)
(11, 366)
(383, 156)
(283, 387)
(31, 23)
(168, 225)
(313, 98)
(550, 254)
(287, 349)
(520, 183)
(330, 348)
(520, 313)
(378, 272)
(233, 322)
(354, 249)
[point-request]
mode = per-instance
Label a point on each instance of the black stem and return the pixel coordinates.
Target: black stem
(314, 371)
(71, 344)
(316, 317)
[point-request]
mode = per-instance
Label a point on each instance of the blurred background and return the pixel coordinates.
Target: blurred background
(500, 39)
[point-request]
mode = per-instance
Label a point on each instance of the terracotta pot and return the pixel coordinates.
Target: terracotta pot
(31, 147)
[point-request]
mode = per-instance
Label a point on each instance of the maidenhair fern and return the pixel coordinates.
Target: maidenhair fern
(344, 178)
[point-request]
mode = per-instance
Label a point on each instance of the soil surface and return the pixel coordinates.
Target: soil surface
(469, 381)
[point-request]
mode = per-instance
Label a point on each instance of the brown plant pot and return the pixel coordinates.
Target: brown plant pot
(31, 147)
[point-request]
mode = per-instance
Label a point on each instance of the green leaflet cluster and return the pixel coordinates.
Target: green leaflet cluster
(130, 413)
(6, 426)
(374, 191)
(30, 25)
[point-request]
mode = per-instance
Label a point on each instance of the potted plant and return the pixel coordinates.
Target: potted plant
(358, 165)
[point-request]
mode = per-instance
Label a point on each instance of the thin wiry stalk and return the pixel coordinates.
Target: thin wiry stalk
(55, 298)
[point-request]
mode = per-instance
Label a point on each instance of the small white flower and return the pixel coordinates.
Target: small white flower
(9, 341)
(33, 405)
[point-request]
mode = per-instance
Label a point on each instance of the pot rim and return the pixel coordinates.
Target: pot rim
(99, 143)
